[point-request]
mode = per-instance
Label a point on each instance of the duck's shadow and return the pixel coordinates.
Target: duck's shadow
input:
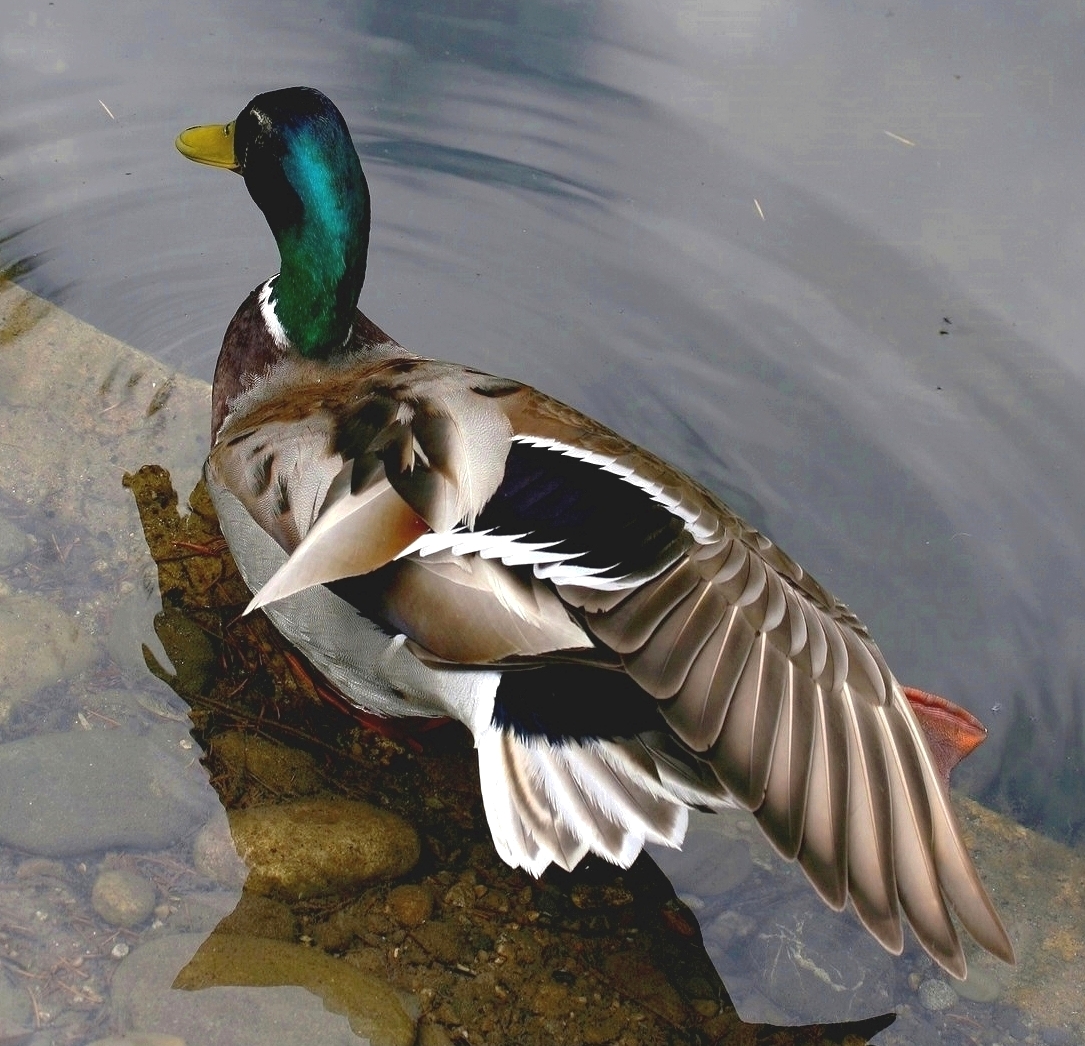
(569, 955)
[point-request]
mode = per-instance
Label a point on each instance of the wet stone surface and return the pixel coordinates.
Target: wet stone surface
(90, 790)
(278, 768)
(140, 1039)
(314, 847)
(16, 1013)
(802, 962)
(39, 645)
(373, 1010)
(256, 916)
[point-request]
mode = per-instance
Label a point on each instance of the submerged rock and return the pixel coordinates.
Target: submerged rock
(319, 846)
(91, 790)
(256, 916)
(411, 904)
(15, 1008)
(39, 645)
(145, 999)
(981, 984)
(214, 853)
(191, 652)
(122, 897)
(812, 975)
(370, 1005)
(937, 995)
(279, 768)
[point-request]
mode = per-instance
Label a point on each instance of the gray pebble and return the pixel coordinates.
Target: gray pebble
(122, 897)
(937, 995)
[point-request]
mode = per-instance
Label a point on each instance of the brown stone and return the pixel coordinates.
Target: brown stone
(411, 904)
(314, 847)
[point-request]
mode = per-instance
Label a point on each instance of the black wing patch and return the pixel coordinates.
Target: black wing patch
(569, 702)
(593, 514)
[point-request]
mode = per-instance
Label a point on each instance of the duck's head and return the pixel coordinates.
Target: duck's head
(295, 153)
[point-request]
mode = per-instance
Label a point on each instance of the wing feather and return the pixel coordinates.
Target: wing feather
(795, 619)
(957, 874)
(871, 876)
(355, 533)
(782, 813)
(815, 653)
(756, 582)
(678, 640)
(474, 611)
(750, 729)
(698, 710)
(632, 623)
(779, 688)
(869, 678)
(775, 607)
(823, 853)
(447, 460)
(917, 876)
(572, 805)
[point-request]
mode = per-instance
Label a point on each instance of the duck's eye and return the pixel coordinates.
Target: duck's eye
(226, 131)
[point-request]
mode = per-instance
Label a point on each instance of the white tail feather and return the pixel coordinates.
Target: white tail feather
(551, 804)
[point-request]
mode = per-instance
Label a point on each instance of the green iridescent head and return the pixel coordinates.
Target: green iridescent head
(295, 153)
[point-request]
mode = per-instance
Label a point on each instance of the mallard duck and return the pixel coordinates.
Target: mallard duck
(441, 542)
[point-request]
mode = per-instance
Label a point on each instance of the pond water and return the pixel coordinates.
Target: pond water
(825, 257)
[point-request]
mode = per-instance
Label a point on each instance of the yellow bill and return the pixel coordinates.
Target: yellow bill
(211, 144)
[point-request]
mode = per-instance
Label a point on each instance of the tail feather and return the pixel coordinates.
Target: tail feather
(552, 804)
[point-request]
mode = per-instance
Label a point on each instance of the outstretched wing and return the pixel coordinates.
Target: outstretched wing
(492, 524)
(781, 690)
